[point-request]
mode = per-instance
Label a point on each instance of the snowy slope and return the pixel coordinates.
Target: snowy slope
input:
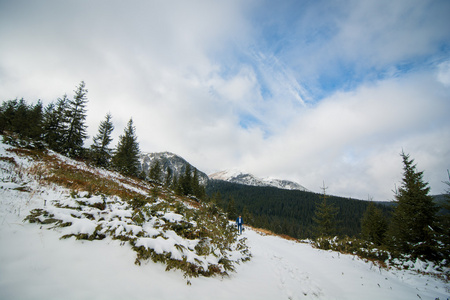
(36, 264)
(249, 179)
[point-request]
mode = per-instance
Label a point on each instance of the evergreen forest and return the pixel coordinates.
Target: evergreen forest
(289, 212)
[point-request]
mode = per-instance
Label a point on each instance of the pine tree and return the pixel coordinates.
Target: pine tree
(231, 210)
(76, 129)
(35, 119)
(168, 179)
(325, 217)
(101, 153)
(186, 181)
(126, 157)
(155, 171)
(197, 188)
(7, 114)
(411, 229)
(373, 225)
(54, 124)
(20, 121)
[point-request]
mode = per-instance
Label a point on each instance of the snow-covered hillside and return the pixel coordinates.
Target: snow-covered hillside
(249, 179)
(35, 263)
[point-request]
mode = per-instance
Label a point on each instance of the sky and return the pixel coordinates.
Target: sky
(318, 92)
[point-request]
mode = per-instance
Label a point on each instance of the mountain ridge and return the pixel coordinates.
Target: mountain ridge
(236, 176)
(171, 165)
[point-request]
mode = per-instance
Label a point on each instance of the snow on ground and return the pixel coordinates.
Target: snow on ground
(36, 264)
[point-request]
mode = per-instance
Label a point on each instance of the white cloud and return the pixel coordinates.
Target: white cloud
(352, 140)
(443, 74)
(190, 73)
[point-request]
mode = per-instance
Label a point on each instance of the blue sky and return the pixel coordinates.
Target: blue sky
(309, 91)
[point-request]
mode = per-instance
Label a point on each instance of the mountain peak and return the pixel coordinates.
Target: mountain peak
(168, 160)
(240, 177)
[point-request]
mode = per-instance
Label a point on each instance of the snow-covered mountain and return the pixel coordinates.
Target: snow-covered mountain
(249, 179)
(169, 163)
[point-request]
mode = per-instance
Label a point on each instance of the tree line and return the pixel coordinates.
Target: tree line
(289, 212)
(61, 127)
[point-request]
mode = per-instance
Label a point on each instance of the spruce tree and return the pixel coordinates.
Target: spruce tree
(54, 124)
(186, 181)
(168, 179)
(76, 128)
(325, 217)
(411, 229)
(20, 122)
(373, 225)
(126, 157)
(231, 210)
(155, 171)
(35, 119)
(7, 114)
(197, 188)
(101, 153)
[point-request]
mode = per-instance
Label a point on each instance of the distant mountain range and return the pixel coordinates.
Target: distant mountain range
(249, 179)
(176, 165)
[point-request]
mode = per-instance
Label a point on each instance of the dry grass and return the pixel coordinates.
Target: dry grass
(263, 231)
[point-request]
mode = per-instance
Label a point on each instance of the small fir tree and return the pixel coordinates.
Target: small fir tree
(126, 157)
(101, 153)
(186, 181)
(155, 171)
(76, 128)
(197, 188)
(168, 178)
(373, 225)
(325, 217)
(54, 124)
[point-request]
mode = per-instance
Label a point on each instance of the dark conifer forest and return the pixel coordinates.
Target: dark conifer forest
(289, 212)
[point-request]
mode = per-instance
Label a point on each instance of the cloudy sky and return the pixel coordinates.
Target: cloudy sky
(311, 91)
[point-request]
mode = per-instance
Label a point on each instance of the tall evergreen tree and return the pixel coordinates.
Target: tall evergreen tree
(101, 153)
(197, 188)
(54, 124)
(126, 157)
(412, 223)
(373, 225)
(7, 114)
(76, 128)
(20, 122)
(186, 181)
(325, 217)
(35, 119)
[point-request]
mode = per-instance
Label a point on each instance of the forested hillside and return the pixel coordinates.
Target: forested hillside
(288, 212)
